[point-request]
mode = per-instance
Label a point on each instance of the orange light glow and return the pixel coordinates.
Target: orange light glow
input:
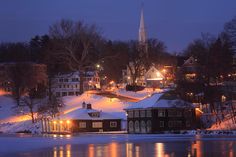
(198, 109)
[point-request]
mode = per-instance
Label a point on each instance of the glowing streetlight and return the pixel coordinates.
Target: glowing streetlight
(98, 65)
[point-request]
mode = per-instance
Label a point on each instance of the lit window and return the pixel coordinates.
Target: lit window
(97, 124)
(82, 124)
(223, 98)
(113, 124)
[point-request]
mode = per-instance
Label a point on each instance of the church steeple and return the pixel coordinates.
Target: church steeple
(142, 31)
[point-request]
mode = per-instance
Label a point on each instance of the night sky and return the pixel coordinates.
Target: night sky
(176, 22)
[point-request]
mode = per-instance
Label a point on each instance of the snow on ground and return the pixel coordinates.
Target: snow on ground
(111, 105)
(137, 95)
(10, 121)
(227, 124)
(98, 102)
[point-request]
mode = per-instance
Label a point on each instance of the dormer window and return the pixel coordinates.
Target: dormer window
(94, 114)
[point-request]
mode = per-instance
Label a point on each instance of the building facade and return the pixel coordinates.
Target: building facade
(69, 84)
(155, 114)
(84, 119)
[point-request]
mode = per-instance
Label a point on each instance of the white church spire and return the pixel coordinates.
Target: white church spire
(142, 31)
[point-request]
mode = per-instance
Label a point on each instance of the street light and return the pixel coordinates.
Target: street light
(164, 71)
(98, 65)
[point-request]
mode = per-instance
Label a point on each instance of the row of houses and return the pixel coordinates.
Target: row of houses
(153, 114)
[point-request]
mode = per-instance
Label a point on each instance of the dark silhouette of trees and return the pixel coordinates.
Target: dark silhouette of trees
(14, 52)
(230, 30)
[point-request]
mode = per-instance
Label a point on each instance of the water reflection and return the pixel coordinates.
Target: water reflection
(150, 148)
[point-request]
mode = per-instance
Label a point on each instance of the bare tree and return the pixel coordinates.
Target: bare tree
(75, 45)
(51, 107)
(136, 62)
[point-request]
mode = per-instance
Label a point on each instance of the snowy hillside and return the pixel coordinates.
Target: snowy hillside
(11, 121)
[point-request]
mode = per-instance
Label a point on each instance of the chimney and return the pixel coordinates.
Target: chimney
(89, 106)
(83, 105)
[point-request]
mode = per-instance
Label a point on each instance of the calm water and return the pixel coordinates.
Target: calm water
(142, 146)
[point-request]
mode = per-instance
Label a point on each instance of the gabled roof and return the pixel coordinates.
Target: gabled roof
(153, 74)
(77, 74)
(159, 101)
(83, 114)
(191, 61)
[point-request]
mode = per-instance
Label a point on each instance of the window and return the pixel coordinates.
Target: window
(66, 80)
(143, 126)
(64, 93)
(59, 86)
(136, 126)
(161, 113)
(60, 80)
(75, 79)
(149, 126)
(130, 114)
(136, 114)
(149, 113)
(71, 93)
(82, 124)
(174, 113)
(142, 113)
(162, 124)
(113, 124)
(94, 114)
(131, 126)
(97, 124)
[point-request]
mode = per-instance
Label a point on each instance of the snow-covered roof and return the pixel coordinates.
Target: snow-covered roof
(76, 74)
(145, 103)
(153, 74)
(156, 101)
(83, 114)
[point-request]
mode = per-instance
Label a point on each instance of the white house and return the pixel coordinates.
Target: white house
(69, 84)
(154, 77)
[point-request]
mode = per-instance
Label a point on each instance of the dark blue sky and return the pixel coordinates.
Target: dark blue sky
(176, 22)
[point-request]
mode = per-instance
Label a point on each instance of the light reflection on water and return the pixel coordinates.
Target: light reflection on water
(197, 149)
(185, 148)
